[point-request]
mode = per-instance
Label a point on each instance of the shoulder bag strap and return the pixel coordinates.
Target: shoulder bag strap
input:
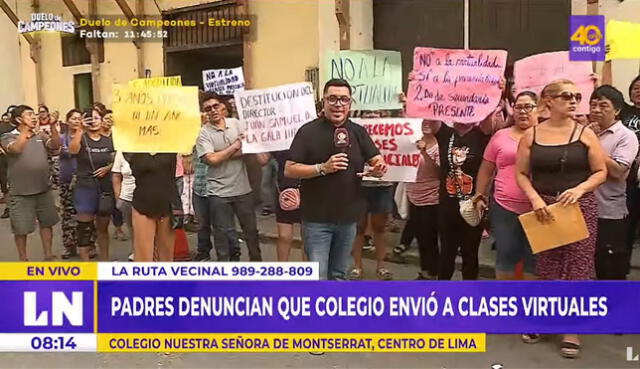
(452, 169)
(93, 168)
(86, 147)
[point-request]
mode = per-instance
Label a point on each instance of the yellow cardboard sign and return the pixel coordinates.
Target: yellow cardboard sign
(155, 120)
(156, 82)
(623, 39)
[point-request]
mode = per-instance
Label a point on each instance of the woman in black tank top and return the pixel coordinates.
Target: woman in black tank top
(560, 161)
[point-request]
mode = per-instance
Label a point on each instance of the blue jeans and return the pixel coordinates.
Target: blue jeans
(222, 211)
(330, 245)
(201, 208)
(511, 242)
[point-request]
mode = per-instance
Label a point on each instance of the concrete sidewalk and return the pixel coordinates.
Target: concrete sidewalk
(486, 256)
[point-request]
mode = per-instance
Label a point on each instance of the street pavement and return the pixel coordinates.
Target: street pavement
(599, 351)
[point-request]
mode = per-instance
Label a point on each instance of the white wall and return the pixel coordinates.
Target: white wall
(11, 90)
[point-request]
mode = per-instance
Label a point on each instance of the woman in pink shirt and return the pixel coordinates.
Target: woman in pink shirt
(508, 200)
(423, 202)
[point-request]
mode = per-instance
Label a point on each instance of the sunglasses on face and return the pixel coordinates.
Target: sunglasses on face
(209, 108)
(568, 96)
(334, 100)
(525, 108)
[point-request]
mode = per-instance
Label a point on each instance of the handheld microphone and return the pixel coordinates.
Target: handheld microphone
(341, 139)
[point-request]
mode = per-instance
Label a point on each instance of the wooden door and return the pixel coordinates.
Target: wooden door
(402, 25)
(522, 27)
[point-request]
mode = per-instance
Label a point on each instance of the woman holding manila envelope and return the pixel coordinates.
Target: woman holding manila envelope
(562, 161)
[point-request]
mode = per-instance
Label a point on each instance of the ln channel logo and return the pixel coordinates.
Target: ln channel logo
(587, 41)
(61, 308)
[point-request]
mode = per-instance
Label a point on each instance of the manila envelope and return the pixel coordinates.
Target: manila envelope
(567, 227)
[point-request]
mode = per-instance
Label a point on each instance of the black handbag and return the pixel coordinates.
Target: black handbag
(106, 200)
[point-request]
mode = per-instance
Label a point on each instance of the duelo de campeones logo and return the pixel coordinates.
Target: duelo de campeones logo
(46, 22)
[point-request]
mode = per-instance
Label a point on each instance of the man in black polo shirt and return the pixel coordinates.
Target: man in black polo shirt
(329, 156)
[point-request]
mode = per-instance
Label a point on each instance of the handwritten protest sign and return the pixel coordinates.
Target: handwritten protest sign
(455, 85)
(535, 72)
(273, 115)
(374, 75)
(223, 81)
(158, 119)
(396, 139)
(623, 39)
(156, 82)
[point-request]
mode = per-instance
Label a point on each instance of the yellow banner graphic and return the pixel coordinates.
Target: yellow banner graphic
(156, 119)
(46, 271)
(623, 39)
(156, 82)
(292, 342)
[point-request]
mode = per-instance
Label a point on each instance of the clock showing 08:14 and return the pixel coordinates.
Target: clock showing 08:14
(39, 343)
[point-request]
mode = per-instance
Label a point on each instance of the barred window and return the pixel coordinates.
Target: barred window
(74, 50)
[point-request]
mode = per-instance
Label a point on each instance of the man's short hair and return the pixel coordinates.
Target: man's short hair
(208, 95)
(336, 82)
(17, 112)
(43, 106)
(610, 93)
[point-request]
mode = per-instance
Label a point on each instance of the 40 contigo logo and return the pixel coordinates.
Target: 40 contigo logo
(587, 41)
(46, 22)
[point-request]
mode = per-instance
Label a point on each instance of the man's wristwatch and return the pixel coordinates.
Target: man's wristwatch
(320, 170)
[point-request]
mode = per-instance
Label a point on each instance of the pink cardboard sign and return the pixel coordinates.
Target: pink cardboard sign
(535, 72)
(455, 85)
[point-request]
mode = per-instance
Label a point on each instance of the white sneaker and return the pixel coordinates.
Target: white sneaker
(131, 257)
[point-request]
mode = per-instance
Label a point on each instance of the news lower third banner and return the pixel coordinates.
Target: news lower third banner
(282, 307)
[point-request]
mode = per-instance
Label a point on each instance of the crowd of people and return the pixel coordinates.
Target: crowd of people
(533, 151)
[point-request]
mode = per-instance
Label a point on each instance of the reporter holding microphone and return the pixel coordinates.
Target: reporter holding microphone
(329, 155)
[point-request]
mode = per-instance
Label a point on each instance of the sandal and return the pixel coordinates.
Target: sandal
(400, 249)
(531, 338)
(67, 254)
(384, 274)
(51, 258)
(355, 274)
(569, 350)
